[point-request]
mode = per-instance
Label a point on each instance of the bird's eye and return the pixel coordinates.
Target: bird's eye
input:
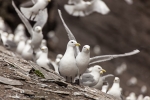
(72, 42)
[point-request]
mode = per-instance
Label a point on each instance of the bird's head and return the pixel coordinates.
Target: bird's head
(59, 56)
(44, 49)
(73, 43)
(116, 80)
(20, 27)
(38, 29)
(99, 69)
(44, 42)
(86, 48)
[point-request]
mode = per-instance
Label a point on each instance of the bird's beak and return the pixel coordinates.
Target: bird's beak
(49, 0)
(88, 48)
(77, 44)
(102, 71)
(42, 49)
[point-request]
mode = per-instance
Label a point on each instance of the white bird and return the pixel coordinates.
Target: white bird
(32, 13)
(131, 96)
(2, 24)
(143, 89)
(140, 97)
(20, 27)
(105, 87)
(39, 51)
(56, 63)
(132, 81)
(8, 41)
(43, 59)
(115, 90)
(97, 49)
(19, 32)
(82, 59)
(36, 31)
(58, 58)
(1, 41)
(83, 8)
(10, 37)
(21, 45)
(52, 40)
(101, 81)
(146, 98)
(92, 78)
(120, 69)
(44, 43)
(4, 36)
(67, 66)
(27, 52)
(130, 2)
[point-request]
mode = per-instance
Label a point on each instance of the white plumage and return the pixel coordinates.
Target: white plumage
(82, 8)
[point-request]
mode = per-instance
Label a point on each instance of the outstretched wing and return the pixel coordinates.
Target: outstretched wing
(103, 58)
(107, 76)
(24, 20)
(41, 18)
(70, 35)
(98, 6)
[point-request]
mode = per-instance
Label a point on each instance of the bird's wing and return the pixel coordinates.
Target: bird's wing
(87, 79)
(41, 18)
(103, 58)
(107, 76)
(98, 6)
(11, 45)
(70, 35)
(24, 20)
(74, 1)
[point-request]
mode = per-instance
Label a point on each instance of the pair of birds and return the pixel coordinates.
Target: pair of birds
(83, 8)
(75, 63)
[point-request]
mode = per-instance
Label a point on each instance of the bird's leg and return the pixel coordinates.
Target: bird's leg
(79, 79)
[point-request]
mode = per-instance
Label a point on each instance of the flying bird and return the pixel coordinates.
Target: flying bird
(83, 8)
(32, 13)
